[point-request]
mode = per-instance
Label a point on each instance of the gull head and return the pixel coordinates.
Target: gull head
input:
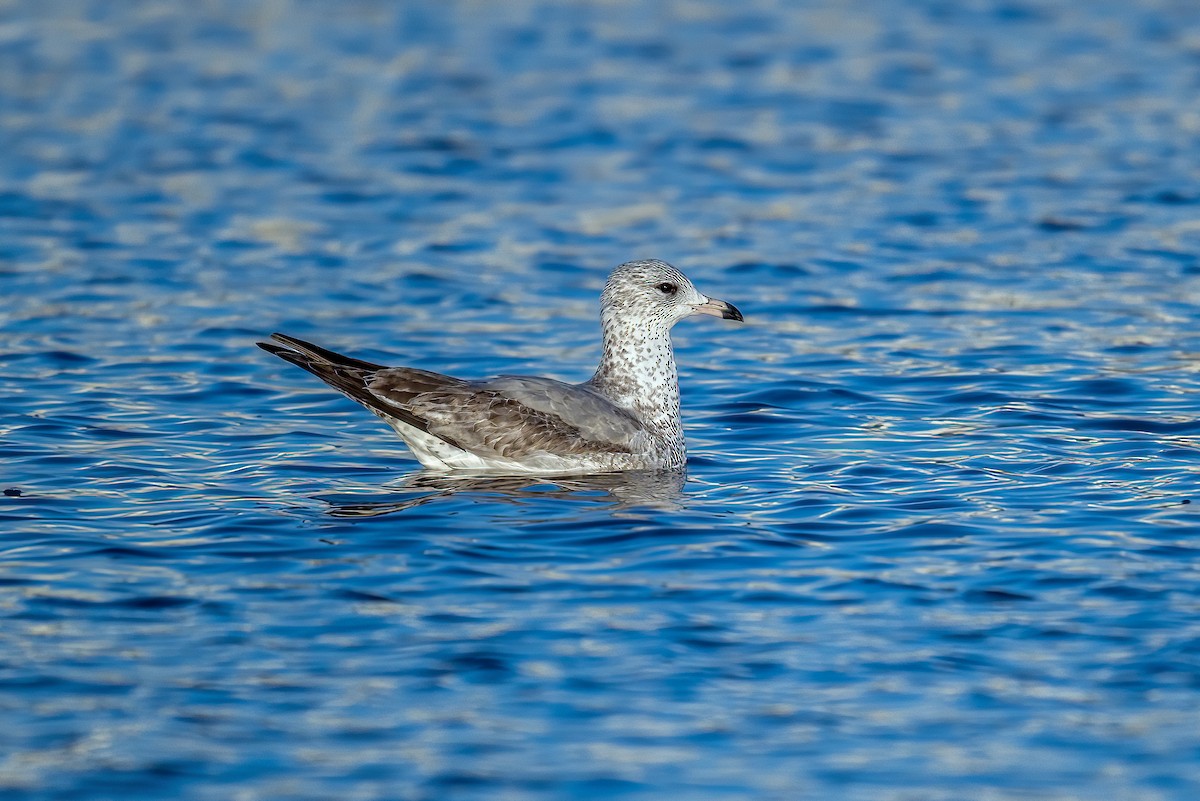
(652, 292)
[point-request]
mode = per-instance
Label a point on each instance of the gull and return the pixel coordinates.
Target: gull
(625, 417)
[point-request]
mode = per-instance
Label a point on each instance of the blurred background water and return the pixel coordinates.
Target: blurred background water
(937, 539)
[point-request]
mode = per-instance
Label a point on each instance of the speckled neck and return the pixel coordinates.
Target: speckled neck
(637, 371)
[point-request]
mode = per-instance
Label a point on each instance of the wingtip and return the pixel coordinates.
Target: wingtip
(282, 342)
(299, 352)
(270, 347)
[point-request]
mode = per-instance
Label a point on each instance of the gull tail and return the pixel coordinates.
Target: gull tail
(386, 391)
(303, 354)
(349, 376)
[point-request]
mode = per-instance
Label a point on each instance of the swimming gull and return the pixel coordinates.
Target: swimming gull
(625, 417)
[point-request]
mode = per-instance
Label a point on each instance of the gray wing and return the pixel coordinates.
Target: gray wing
(510, 416)
(513, 416)
(577, 405)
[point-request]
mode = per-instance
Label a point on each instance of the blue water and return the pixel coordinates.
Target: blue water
(938, 540)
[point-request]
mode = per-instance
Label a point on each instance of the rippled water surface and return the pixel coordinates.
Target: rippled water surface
(937, 539)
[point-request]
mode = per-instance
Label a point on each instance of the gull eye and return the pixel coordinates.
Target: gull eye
(667, 288)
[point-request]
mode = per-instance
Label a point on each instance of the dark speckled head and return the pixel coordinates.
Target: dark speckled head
(641, 302)
(653, 293)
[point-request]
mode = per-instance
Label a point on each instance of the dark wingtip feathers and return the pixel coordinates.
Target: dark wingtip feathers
(352, 377)
(271, 347)
(303, 353)
(286, 354)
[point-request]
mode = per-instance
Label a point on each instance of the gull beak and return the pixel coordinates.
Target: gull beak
(718, 308)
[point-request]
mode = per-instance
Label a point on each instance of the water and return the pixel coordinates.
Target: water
(938, 539)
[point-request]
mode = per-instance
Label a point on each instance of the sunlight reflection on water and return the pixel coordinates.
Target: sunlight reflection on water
(936, 537)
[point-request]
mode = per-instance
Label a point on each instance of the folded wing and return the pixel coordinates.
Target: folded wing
(509, 417)
(513, 416)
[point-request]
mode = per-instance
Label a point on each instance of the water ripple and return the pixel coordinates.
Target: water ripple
(936, 537)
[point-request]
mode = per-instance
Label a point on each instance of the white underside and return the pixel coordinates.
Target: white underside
(437, 454)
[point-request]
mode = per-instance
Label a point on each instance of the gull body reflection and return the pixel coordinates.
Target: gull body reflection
(660, 489)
